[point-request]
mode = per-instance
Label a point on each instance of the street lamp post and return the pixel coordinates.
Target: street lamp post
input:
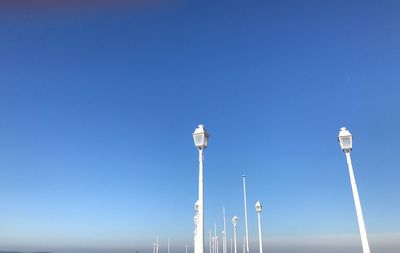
(346, 142)
(234, 222)
(224, 235)
(210, 242)
(200, 137)
(258, 209)
(245, 215)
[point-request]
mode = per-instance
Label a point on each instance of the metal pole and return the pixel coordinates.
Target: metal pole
(217, 244)
(200, 223)
(360, 218)
(215, 238)
(224, 250)
(157, 245)
(214, 251)
(168, 244)
(186, 248)
(259, 232)
(231, 244)
(234, 237)
(244, 244)
(210, 243)
(245, 213)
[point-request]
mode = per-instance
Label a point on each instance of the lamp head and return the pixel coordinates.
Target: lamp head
(234, 220)
(345, 139)
(258, 207)
(200, 137)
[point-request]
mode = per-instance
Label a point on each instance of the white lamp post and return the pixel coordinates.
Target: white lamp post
(210, 242)
(224, 235)
(234, 222)
(231, 244)
(200, 137)
(157, 245)
(346, 143)
(258, 209)
(245, 214)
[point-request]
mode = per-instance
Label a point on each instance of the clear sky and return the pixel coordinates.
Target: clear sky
(98, 103)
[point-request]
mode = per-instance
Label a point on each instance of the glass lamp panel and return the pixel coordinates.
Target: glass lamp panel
(205, 140)
(198, 140)
(346, 142)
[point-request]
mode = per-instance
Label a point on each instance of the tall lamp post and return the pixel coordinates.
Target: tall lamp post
(200, 137)
(246, 239)
(346, 142)
(258, 209)
(224, 234)
(234, 222)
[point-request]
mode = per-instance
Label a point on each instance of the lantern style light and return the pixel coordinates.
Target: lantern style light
(200, 137)
(234, 222)
(258, 207)
(346, 143)
(345, 139)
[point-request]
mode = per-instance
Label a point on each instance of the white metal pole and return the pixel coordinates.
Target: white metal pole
(215, 239)
(259, 231)
(360, 218)
(224, 238)
(200, 223)
(213, 245)
(231, 244)
(186, 248)
(154, 247)
(245, 213)
(210, 242)
(223, 245)
(217, 244)
(234, 237)
(244, 245)
(157, 245)
(168, 244)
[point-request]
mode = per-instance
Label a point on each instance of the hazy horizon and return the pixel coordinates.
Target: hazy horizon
(388, 243)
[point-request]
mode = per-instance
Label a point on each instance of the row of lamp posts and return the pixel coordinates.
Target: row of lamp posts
(200, 137)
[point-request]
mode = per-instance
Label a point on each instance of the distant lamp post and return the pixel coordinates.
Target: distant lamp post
(200, 137)
(224, 250)
(346, 143)
(195, 221)
(246, 239)
(258, 209)
(234, 222)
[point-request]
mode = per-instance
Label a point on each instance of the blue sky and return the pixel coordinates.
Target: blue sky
(99, 101)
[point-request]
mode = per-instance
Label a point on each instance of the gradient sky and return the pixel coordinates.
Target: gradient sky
(98, 102)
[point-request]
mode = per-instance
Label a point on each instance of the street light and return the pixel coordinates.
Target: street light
(224, 234)
(258, 209)
(234, 222)
(346, 143)
(246, 239)
(200, 137)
